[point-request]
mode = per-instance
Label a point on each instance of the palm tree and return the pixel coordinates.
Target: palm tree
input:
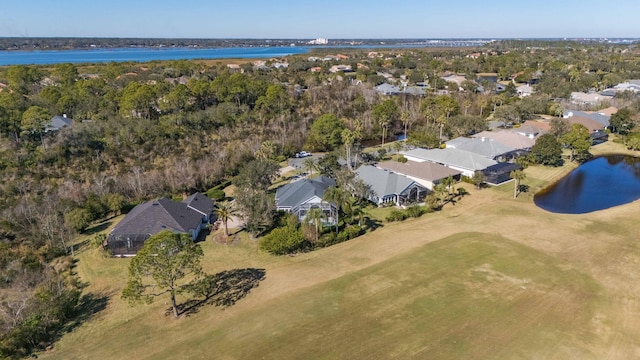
(517, 175)
(337, 196)
(449, 183)
(309, 165)
(356, 210)
(348, 138)
(224, 211)
(405, 117)
(315, 216)
(466, 105)
(267, 150)
(384, 124)
(441, 193)
(397, 146)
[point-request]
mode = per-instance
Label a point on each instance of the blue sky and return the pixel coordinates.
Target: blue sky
(313, 19)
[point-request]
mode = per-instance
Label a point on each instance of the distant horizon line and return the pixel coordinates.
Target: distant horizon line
(328, 38)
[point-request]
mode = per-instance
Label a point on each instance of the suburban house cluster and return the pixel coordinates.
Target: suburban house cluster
(594, 97)
(391, 183)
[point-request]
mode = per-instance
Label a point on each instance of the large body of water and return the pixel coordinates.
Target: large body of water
(598, 184)
(138, 54)
(40, 57)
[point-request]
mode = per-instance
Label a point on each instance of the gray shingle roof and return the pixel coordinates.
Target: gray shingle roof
(426, 170)
(452, 157)
(57, 122)
(299, 192)
(200, 203)
(414, 90)
(383, 182)
(387, 89)
(481, 146)
(158, 215)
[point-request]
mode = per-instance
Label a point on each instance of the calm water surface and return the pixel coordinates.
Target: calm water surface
(40, 57)
(601, 183)
(19, 57)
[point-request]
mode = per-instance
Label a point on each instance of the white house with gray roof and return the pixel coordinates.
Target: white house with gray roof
(388, 187)
(301, 196)
(465, 161)
(484, 146)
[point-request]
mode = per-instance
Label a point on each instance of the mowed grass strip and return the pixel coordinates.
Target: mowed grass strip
(467, 296)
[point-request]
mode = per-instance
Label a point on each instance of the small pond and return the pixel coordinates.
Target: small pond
(598, 184)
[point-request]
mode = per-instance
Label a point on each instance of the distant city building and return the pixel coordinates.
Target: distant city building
(319, 41)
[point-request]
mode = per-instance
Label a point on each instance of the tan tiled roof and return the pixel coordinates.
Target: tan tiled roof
(592, 125)
(507, 138)
(608, 111)
(543, 125)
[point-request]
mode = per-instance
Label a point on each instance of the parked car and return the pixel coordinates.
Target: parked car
(302, 154)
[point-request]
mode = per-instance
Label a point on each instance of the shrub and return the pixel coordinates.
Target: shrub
(216, 194)
(283, 240)
(77, 219)
(349, 233)
(415, 211)
(328, 239)
(396, 215)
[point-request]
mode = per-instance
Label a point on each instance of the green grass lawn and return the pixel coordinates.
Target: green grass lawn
(467, 296)
(472, 295)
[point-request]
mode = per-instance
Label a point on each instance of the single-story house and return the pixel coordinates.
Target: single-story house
(465, 161)
(582, 98)
(388, 187)
(426, 173)
(533, 128)
(590, 124)
(524, 90)
(188, 216)
(508, 138)
(631, 86)
(413, 91)
(454, 78)
(387, 89)
(57, 122)
(340, 68)
(486, 147)
(599, 117)
(301, 196)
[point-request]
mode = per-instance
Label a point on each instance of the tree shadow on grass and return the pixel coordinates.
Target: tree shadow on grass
(372, 224)
(88, 306)
(223, 289)
(97, 228)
